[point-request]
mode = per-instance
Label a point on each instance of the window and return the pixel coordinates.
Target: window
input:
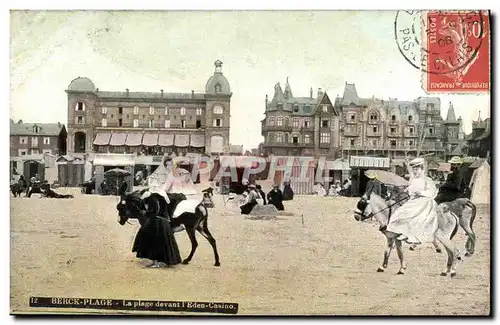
(183, 111)
(46, 140)
(23, 152)
(353, 117)
(393, 143)
(151, 110)
(104, 122)
(79, 120)
(295, 139)
(120, 110)
(136, 110)
(375, 129)
(167, 123)
(411, 130)
(279, 121)
(374, 142)
(295, 122)
(104, 110)
(410, 143)
(35, 151)
(307, 123)
(34, 141)
(353, 142)
(183, 124)
(36, 129)
(430, 106)
(324, 123)
(166, 110)
(325, 138)
(393, 130)
(218, 122)
(307, 138)
(120, 122)
(198, 124)
(325, 108)
(198, 111)
(373, 117)
(270, 121)
(393, 117)
(23, 140)
(80, 106)
(218, 110)
(279, 137)
(410, 118)
(296, 108)
(218, 88)
(431, 130)
(136, 123)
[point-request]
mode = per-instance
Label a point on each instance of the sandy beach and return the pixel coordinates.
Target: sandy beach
(326, 266)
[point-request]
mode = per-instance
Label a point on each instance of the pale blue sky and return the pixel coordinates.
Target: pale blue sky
(175, 51)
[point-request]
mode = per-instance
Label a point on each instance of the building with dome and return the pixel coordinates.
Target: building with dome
(149, 122)
(349, 125)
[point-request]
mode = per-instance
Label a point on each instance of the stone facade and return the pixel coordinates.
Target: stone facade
(104, 121)
(350, 125)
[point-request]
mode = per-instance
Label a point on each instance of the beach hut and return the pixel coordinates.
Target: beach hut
(70, 171)
(360, 164)
(31, 167)
(104, 162)
(300, 172)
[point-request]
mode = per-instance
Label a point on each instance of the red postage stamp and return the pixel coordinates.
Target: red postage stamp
(457, 56)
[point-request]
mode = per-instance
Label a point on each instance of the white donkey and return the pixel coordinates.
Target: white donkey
(446, 228)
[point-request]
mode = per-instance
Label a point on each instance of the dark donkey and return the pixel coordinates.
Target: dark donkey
(133, 206)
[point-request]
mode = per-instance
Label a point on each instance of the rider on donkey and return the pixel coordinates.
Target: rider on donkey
(455, 186)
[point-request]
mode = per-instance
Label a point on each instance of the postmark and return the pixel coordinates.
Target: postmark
(450, 48)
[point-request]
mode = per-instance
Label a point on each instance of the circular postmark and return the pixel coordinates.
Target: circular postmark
(439, 42)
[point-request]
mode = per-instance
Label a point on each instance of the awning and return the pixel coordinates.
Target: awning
(369, 162)
(134, 139)
(102, 139)
(166, 140)
(338, 164)
(181, 140)
(113, 160)
(118, 139)
(197, 140)
(150, 139)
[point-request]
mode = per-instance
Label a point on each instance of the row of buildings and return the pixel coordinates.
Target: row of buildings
(349, 125)
(154, 123)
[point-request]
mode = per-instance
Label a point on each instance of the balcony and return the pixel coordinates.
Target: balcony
(276, 128)
(370, 133)
(288, 145)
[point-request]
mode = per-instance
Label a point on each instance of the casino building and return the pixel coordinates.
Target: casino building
(149, 122)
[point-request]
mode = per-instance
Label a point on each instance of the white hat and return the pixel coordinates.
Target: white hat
(417, 162)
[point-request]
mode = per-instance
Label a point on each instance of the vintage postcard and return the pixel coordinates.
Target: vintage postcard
(250, 162)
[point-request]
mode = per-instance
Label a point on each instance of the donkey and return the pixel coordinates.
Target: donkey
(446, 229)
(175, 208)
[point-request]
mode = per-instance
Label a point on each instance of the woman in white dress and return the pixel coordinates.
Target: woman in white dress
(416, 220)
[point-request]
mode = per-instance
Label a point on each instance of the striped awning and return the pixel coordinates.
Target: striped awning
(181, 140)
(118, 139)
(102, 139)
(133, 139)
(150, 139)
(166, 140)
(197, 140)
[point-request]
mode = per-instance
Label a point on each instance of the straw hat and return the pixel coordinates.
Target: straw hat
(456, 160)
(370, 174)
(417, 162)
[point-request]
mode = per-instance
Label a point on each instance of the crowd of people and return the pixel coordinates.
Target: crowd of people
(253, 195)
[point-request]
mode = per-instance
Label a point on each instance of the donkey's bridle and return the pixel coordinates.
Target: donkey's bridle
(389, 206)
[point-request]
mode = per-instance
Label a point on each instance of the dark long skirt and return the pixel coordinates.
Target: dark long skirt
(156, 241)
(279, 206)
(248, 207)
(448, 196)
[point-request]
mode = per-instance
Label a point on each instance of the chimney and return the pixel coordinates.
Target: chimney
(320, 92)
(192, 94)
(161, 93)
(266, 100)
(311, 92)
(127, 91)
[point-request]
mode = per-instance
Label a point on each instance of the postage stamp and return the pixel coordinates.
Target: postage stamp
(451, 48)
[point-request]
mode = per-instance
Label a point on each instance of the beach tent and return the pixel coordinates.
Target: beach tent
(480, 184)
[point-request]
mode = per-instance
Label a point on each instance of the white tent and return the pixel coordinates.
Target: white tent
(480, 184)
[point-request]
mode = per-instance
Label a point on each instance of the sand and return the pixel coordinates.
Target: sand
(276, 266)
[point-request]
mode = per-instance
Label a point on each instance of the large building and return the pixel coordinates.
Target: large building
(152, 122)
(37, 138)
(479, 141)
(354, 126)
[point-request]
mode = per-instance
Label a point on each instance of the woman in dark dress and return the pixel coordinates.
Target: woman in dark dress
(287, 192)
(155, 240)
(275, 197)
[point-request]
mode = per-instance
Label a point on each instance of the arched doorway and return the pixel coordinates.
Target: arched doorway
(80, 142)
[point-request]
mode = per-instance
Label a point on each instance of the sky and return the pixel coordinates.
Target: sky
(175, 51)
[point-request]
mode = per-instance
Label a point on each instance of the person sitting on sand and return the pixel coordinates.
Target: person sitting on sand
(261, 193)
(275, 197)
(251, 200)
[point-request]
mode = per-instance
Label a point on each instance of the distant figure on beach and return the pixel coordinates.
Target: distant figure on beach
(275, 197)
(250, 201)
(261, 193)
(287, 192)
